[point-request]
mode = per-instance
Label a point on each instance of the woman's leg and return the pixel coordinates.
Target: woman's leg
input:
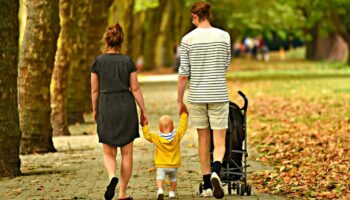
(109, 158)
(125, 168)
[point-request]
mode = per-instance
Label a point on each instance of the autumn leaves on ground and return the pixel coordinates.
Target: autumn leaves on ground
(299, 122)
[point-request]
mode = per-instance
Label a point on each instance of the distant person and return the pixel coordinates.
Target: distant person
(139, 63)
(167, 154)
(114, 89)
(177, 57)
(205, 57)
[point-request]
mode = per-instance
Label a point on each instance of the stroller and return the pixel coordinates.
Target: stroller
(234, 166)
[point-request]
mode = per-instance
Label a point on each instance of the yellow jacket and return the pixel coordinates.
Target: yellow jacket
(167, 153)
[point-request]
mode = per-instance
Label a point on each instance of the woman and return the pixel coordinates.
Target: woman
(114, 89)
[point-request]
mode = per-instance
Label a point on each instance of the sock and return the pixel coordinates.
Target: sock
(207, 183)
(160, 191)
(217, 167)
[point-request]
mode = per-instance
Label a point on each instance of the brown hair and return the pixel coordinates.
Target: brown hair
(114, 36)
(203, 10)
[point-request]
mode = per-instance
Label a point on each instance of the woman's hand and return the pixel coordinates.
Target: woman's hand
(143, 119)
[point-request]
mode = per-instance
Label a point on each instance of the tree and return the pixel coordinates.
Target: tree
(90, 21)
(59, 75)
(340, 17)
(35, 69)
(9, 123)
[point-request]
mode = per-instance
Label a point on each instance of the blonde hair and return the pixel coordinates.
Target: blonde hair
(165, 121)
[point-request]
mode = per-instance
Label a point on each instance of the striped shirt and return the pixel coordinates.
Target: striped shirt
(205, 56)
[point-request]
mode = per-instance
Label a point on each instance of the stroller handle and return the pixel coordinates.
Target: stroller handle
(245, 106)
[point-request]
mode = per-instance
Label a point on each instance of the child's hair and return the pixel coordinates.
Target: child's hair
(114, 36)
(203, 10)
(165, 121)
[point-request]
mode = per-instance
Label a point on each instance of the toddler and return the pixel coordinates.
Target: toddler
(167, 153)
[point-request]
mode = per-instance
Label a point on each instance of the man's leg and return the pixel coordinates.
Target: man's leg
(219, 137)
(203, 149)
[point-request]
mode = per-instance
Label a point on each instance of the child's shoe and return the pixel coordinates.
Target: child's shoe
(172, 195)
(207, 193)
(160, 194)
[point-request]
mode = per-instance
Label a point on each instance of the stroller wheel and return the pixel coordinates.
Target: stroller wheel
(229, 188)
(248, 189)
(200, 188)
(241, 189)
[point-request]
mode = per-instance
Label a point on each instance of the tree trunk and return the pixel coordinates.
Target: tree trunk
(152, 28)
(35, 69)
(59, 76)
(331, 48)
(122, 11)
(137, 35)
(165, 44)
(311, 45)
(90, 21)
(10, 134)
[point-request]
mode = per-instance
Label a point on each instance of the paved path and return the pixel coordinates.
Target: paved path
(76, 170)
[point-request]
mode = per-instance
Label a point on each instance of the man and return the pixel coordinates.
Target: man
(205, 56)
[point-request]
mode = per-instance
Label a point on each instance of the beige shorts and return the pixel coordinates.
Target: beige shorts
(203, 115)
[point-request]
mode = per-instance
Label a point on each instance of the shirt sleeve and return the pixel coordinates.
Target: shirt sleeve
(228, 60)
(184, 69)
(151, 137)
(132, 67)
(181, 130)
(94, 67)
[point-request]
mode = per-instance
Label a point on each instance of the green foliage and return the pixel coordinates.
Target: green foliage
(143, 5)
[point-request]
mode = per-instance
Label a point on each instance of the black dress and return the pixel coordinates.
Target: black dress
(117, 119)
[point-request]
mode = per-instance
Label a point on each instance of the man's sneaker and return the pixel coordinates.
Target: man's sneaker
(160, 195)
(172, 195)
(207, 193)
(218, 190)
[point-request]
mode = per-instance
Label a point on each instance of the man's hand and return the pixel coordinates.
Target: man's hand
(182, 108)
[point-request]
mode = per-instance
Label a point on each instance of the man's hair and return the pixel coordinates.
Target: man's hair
(203, 10)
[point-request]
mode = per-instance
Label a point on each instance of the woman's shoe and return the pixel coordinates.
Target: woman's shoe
(109, 194)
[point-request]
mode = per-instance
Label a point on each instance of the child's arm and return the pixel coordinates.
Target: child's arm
(181, 130)
(147, 134)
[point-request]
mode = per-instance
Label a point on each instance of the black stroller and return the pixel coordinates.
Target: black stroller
(234, 167)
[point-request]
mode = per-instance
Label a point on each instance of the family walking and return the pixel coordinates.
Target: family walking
(204, 58)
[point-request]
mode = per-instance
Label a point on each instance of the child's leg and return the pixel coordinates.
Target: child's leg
(160, 183)
(172, 178)
(160, 177)
(172, 185)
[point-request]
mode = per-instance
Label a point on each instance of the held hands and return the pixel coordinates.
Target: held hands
(143, 119)
(182, 108)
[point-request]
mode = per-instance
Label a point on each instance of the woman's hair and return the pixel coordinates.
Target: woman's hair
(203, 10)
(114, 36)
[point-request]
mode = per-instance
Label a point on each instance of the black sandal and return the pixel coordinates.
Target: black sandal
(109, 194)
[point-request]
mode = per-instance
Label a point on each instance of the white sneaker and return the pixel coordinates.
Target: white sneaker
(207, 193)
(172, 195)
(218, 190)
(160, 194)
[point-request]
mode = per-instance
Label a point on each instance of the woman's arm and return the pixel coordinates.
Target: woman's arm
(136, 91)
(94, 93)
